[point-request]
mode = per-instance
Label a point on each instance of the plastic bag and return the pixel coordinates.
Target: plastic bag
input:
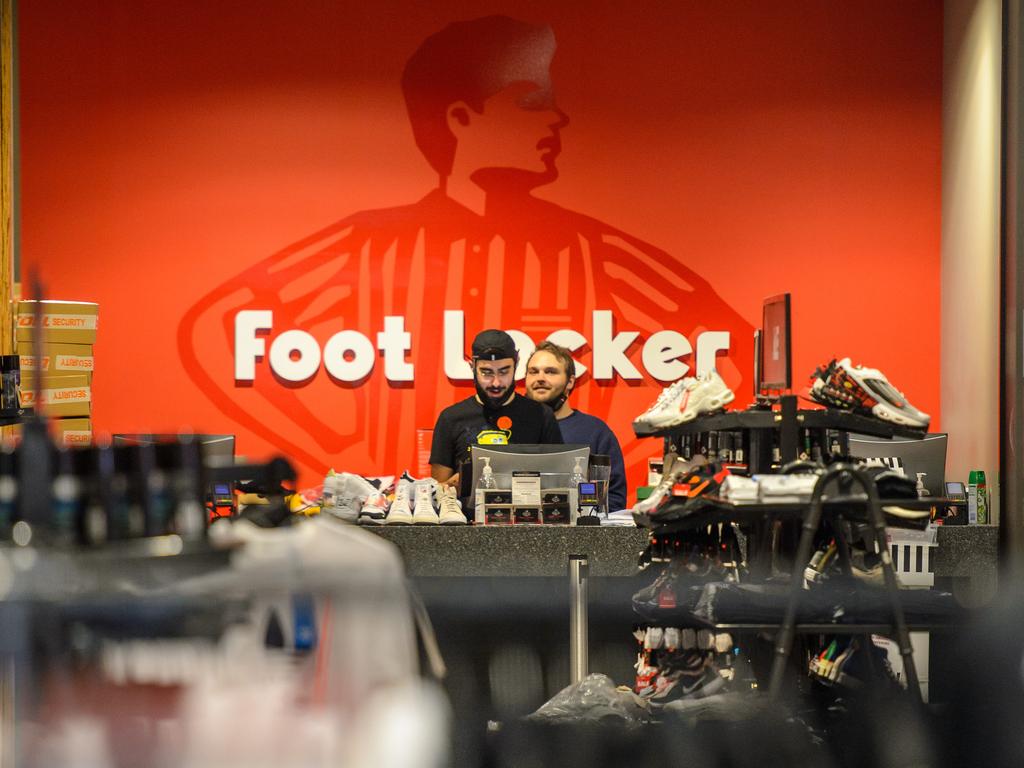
(594, 699)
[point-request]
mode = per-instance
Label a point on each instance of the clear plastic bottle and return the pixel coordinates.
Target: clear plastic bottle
(577, 474)
(922, 491)
(574, 489)
(485, 483)
(487, 475)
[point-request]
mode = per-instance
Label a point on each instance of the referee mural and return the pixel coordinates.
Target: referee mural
(405, 286)
(295, 237)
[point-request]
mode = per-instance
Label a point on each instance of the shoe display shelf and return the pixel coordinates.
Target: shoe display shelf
(846, 511)
(761, 429)
(11, 417)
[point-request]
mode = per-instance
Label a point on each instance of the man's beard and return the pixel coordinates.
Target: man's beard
(493, 403)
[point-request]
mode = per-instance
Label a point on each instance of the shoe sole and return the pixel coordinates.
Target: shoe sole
(398, 518)
(885, 413)
(454, 522)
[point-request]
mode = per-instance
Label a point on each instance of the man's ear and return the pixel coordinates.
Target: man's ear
(570, 385)
(458, 115)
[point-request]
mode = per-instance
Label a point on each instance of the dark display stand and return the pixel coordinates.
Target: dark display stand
(762, 430)
(758, 427)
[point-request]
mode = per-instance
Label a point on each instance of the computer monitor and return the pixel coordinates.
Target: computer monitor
(776, 372)
(906, 455)
(218, 450)
(554, 462)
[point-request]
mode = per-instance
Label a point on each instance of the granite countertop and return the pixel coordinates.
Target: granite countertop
(966, 552)
(440, 550)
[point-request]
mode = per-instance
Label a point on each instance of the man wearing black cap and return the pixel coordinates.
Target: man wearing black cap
(495, 415)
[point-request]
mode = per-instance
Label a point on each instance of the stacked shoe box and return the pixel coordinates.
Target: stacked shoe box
(65, 361)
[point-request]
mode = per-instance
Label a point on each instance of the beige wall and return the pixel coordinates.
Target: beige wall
(970, 237)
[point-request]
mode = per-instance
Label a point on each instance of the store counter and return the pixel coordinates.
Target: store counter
(438, 550)
(965, 552)
(968, 556)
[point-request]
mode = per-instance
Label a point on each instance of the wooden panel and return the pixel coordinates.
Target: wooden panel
(6, 175)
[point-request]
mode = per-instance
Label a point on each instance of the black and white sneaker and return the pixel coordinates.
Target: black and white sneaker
(841, 384)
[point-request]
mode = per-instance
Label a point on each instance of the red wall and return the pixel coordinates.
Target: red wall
(175, 157)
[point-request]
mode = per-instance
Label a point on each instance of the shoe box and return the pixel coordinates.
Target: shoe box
(65, 359)
(60, 394)
(71, 432)
(64, 322)
(68, 432)
(56, 358)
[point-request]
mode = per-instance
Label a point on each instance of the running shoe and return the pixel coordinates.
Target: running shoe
(374, 510)
(450, 507)
(423, 512)
(686, 400)
(668, 394)
(690, 489)
(400, 512)
(840, 384)
(679, 687)
(675, 470)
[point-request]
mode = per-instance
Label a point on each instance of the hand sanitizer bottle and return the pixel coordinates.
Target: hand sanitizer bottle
(574, 490)
(921, 490)
(485, 483)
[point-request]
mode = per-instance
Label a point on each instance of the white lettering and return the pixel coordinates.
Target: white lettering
(661, 355)
(455, 366)
(709, 344)
(571, 340)
(394, 341)
(610, 349)
(249, 348)
(304, 365)
(349, 356)
(361, 362)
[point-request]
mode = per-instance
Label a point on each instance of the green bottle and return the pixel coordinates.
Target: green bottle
(977, 479)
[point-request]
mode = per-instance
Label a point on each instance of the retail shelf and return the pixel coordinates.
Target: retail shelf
(817, 628)
(820, 418)
(8, 418)
(717, 510)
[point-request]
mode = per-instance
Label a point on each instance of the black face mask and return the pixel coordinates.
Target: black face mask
(558, 402)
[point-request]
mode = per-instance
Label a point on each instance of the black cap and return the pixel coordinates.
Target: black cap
(493, 345)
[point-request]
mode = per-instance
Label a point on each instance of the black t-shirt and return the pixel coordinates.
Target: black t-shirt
(467, 423)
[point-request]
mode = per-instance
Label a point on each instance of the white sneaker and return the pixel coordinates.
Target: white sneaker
(424, 512)
(668, 394)
(695, 397)
(400, 512)
(450, 506)
(374, 510)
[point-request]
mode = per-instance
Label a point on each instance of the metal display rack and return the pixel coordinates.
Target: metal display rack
(761, 430)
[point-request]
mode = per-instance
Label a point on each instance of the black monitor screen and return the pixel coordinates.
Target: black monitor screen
(906, 456)
(218, 450)
(776, 370)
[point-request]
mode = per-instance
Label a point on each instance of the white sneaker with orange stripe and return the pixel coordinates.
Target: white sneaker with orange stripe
(680, 404)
